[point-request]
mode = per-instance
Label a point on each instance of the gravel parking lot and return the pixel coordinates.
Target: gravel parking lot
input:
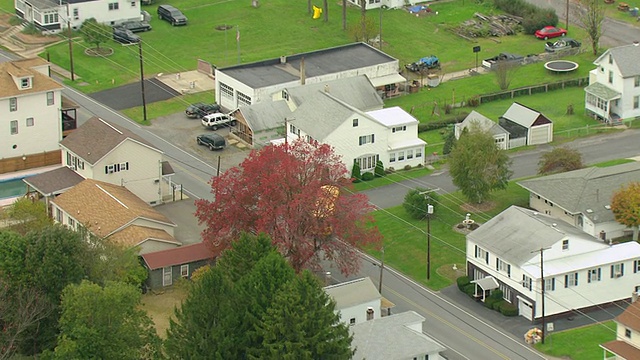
(181, 131)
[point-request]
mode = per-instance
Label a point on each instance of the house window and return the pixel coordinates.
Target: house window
(243, 99)
(13, 104)
(401, 156)
(527, 282)
(593, 275)
(418, 152)
(76, 14)
(113, 6)
(627, 333)
(503, 266)
(352, 321)
(399, 128)
(366, 139)
(355, 122)
(367, 162)
(610, 59)
(409, 154)
(74, 162)
(571, 280)
(550, 284)
(294, 130)
(565, 244)
(51, 18)
(29, 121)
(636, 81)
(636, 102)
(133, 4)
(14, 127)
(25, 83)
(58, 215)
(50, 98)
(184, 270)
(392, 157)
(506, 292)
(636, 266)
(226, 91)
(285, 95)
(110, 169)
(482, 254)
(610, 77)
(167, 278)
(617, 270)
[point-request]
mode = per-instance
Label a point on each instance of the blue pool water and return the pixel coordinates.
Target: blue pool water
(12, 188)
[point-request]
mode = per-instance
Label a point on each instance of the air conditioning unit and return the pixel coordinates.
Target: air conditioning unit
(618, 274)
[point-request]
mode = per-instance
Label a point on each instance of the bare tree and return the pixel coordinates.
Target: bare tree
(308, 6)
(326, 11)
(344, 15)
(505, 71)
(363, 16)
(590, 17)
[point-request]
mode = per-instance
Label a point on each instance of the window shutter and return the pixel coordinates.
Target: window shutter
(373, 138)
(566, 281)
(553, 283)
(476, 250)
(487, 257)
(611, 271)
(576, 275)
(635, 266)
(106, 171)
(599, 274)
(126, 165)
(509, 270)
(622, 269)
(589, 276)
(497, 263)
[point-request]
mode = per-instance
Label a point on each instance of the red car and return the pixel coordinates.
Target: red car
(548, 32)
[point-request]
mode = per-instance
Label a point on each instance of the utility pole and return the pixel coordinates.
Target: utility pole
(144, 103)
(380, 34)
(73, 78)
(429, 212)
(567, 16)
(541, 250)
(381, 271)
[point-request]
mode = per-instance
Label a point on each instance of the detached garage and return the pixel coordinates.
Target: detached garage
(526, 126)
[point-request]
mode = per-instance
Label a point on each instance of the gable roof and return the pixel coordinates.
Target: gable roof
(390, 338)
(514, 234)
(355, 91)
(525, 116)
(316, 63)
(96, 138)
(105, 208)
(630, 317)
(320, 124)
(177, 256)
(484, 123)
(393, 116)
(54, 182)
(22, 68)
(265, 115)
(625, 57)
(134, 235)
(352, 293)
(585, 191)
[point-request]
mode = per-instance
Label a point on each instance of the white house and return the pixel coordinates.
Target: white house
(483, 123)
(30, 103)
(113, 212)
(106, 152)
(580, 271)
(357, 300)
(526, 126)
(613, 93)
(626, 346)
(55, 16)
(394, 337)
(247, 84)
(582, 197)
(392, 4)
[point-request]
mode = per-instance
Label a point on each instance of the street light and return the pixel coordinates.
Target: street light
(429, 213)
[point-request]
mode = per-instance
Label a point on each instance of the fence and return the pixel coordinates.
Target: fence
(30, 161)
(535, 89)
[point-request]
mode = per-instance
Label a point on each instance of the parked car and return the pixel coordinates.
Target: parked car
(427, 62)
(172, 15)
(199, 110)
(212, 140)
(549, 32)
(562, 44)
(217, 120)
(508, 58)
(125, 36)
(135, 26)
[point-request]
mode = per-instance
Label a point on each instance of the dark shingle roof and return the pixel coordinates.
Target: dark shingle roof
(177, 256)
(96, 138)
(54, 182)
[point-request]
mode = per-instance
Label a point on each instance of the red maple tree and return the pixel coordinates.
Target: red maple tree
(297, 193)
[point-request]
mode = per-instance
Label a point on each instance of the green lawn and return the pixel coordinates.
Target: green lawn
(579, 344)
(171, 106)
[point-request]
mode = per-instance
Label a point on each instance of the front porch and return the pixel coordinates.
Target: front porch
(601, 103)
(483, 287)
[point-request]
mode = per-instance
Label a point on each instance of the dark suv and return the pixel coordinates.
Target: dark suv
(135, 26)
(198, 110)
(125, 36)
(172, 15)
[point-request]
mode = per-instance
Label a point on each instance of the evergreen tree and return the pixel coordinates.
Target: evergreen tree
(244, 254)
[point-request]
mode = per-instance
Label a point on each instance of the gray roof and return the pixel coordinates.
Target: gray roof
(585, 191)
(355, 91)
(54, 182)
(316, 63)
(266, 115)
(96, 138)
(483, 122)
(626, 57)
(514, 234)
(352, 293)
(602, 91)
(524, 116)
(389, 338)
(319, 124)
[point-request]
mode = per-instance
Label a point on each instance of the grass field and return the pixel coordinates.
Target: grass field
(579, 344)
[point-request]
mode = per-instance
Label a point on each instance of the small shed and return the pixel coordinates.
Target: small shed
(500, 135)
(166, 266)
(526, 126)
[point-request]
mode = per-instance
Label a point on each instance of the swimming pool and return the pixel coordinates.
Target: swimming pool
(12, 188)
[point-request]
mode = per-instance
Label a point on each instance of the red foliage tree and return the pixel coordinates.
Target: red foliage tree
(300, 196)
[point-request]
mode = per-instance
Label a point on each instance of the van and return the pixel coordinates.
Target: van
(216, 120)
(174, 16)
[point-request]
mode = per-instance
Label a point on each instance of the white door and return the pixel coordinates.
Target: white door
(167, 278)
(525, 309)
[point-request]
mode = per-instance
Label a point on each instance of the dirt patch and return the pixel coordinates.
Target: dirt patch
(160, 307)
(36, 39)
(475, 208)
(452, 271)
(224, 27)
(99, 51)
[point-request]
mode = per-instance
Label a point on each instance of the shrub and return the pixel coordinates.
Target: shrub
(497, 294)
(368, 176)
(470, 289)
(390, 170)
(498, 305)
(534, 18)
(463, 281)
(442, 123)
(473, 102)
(489, 301)
(379, 171)
(407, 167)
(508, 309)
(355, 173)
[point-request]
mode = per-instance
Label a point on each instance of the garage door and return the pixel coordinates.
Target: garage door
(525, 308)
(539, 135)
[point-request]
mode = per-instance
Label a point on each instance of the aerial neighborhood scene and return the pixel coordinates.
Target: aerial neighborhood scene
(356, 179)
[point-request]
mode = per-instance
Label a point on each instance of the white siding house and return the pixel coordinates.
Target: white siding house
(392, 4)
(580, 271)
(626, 346)
(357, 300)
(30, 117)
(526, 126)
(613, 93)
(483, 123)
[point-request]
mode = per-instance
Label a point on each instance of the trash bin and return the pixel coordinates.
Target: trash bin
(634, 12)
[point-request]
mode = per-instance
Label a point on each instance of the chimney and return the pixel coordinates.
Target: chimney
(302, 74)
(369, 313)
(326, 88)
(283, 59)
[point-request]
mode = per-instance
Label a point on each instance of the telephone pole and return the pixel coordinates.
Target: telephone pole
(541, 250)
(73, 78)
(144, 103)
(381, 271)
(429, 213)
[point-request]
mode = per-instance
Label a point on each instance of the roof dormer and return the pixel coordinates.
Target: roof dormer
(21, 77)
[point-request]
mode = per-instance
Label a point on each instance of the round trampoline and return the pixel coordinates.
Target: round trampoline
(560, 66)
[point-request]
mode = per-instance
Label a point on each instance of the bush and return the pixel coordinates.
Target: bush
(390, 170)
(355, 173)
(489, 301)
(407, 167)
(463, 281)
(470, 289)
(368, 176)
(379, 171)
(534, 18)
(422, 127)
(508, 309)
(473, 102)
(498, 305)
(497, 294)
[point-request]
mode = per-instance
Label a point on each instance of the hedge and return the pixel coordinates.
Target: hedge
(442, 123)
(462, 282)
(508, 309)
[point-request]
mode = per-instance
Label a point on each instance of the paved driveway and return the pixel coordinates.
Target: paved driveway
(130, 95)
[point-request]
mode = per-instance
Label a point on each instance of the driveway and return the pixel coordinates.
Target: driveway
(130, 95)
